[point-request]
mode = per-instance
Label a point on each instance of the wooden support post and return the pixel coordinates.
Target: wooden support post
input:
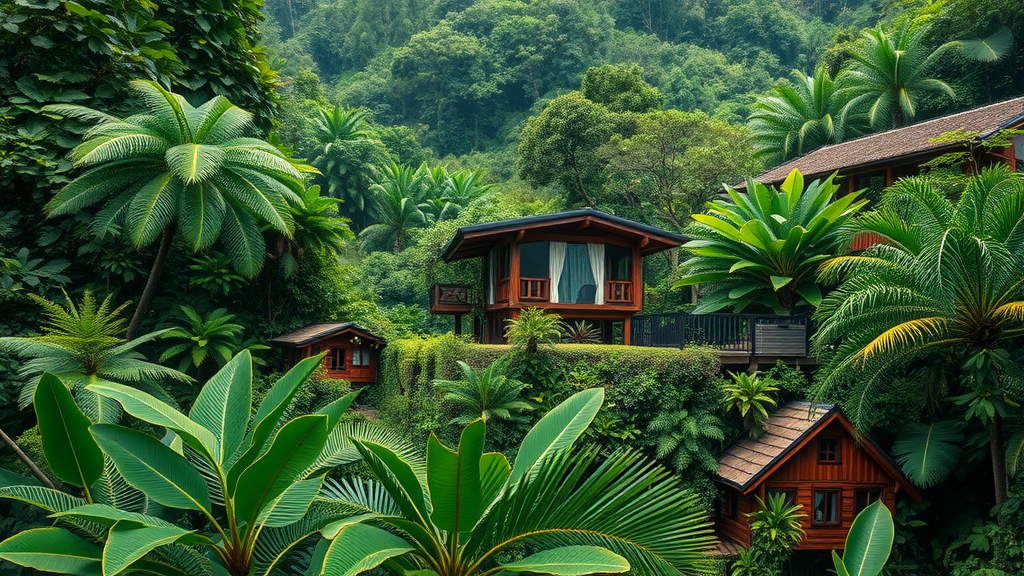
(458, 324)
(626, 329)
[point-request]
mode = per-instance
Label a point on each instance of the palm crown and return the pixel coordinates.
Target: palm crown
(178, 165)
(486, 394)
(764, 247)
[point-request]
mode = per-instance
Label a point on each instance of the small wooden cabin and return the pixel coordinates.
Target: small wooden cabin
(581, 264)
(353, 352)
(811, 454)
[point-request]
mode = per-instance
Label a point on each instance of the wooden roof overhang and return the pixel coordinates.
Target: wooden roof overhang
(822, 416)
(478, 239)
(315, 332)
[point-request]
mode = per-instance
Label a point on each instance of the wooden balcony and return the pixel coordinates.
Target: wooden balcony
(618, 292)
(450, 299)
(534, 290)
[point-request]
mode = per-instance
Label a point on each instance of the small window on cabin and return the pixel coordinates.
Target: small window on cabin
(533, 260)
(360, 357)
(732, 504)
(336, 359)
(826, 508)
(828, 450)
(618, 263)
(864, 498)
(788, 493)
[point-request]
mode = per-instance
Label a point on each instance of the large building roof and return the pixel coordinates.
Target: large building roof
(476, 240)
(314, 332)
(751, 460)
(906, 142)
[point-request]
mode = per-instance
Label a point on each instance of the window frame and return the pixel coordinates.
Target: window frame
(837, 509)
(332, 359)
(838, 449)
(857, 509)
(364, 357)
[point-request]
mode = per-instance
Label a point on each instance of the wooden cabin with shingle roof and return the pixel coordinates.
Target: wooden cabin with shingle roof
(353, 351)
(812, 454)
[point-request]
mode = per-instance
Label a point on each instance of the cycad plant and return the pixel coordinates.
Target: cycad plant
(799, 118)
(212, 271)
(890, 73)
(946, 280)
(683, 438)
(532, 328)
(487, 394)
(83, 344)
(581, 332)
(751, 396)
(178, 168)
(764, 246)
(575, 512)
(203, 340)
(226, 492)
(397, 210)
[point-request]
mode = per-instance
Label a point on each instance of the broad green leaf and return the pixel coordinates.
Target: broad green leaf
(991, 48)
(780, 281)
(453, 479)
(147, 408)
(52, 550)
(70, 451)
(811, 293)
(359, 548)
(571, 561)
(838, 563)
(1015, 455)
(294, 448)
(108, 515)
(398, 477)
(223, 405)
(8, 478)
(928, 452)
(271, 408)
(159, 472)
(291, 505)
(869, 542)
(335, 410)
(331, 531)
(494, 472)
(557, 430)
(128, 541)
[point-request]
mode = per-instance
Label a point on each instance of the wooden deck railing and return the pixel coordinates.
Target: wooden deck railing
(450, 298)
(534, 289)
(754, 334)
(618, 292)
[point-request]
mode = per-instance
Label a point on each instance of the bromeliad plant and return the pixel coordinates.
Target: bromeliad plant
(765, 246)
(251, 485)
(574, 512)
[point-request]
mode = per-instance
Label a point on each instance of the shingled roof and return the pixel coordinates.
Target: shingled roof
(315, 332)
(906, 142)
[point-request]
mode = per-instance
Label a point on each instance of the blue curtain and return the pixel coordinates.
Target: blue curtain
(576, 275)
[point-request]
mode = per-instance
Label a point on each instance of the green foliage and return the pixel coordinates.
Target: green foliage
(620, 89)
(397, 206)
(205, 339)
(868, 544)
(682, 439)
(606, 518)
(532, 328)
(487, 394)
(775, 529)
(764, 247)
(928, 452)
(213, 272)
(581, 333)
(750, 395)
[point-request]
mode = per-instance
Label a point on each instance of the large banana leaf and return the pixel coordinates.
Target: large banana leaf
(928, 452)
(570, 561)
(128, 542)
(557, 430)
(359, 547)
(70, 451)
(453, 479)
(868, 543)
(224, 403)
(52, 550)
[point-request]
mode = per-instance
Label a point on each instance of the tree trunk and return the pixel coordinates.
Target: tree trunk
(24, 458)
(154, 277)
(998, 453)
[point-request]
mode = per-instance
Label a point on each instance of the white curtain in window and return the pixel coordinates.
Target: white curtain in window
(556, 262)
(490, 276)
(596, 253)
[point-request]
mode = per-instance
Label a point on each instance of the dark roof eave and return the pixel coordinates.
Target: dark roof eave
(280, 341)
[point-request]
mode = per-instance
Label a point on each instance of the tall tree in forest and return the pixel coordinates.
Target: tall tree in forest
(179, 168)
(398, 194)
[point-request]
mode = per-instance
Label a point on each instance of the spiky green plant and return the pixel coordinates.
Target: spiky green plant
(349, 150)
(488, 394)
(798, 118)
(178, 168)
(532, 328)
(576, 512)
(82, 344)
(775, 528)
(946, 280)
(212, 271)
(318, 226)
(890, 74)
(683, 438)
(764, 246)
(202, 340)
(750, 395)
(581, 332)
(397, 199)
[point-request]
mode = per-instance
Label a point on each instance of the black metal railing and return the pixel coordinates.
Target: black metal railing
(754, 334)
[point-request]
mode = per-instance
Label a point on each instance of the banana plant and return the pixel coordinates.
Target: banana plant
(253, 487)
(764, 246)
(868, 543)
(573, 512)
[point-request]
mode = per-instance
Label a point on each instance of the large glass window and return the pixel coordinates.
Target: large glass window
(826, 507)
(533, 260)
(1018, 152)
(618, 263)
(577, 284)
(336, 359)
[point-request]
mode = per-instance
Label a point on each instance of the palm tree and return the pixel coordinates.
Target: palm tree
(946, 280)
(532, 328)
(467, 187)
(799, 118)
(890, 74)
(317, 227)
(488, 394)
(350, 149)
(681, 437)
(181, 168)
(764, 247)
(82, 344)
(750, 395)
(398, 193)
(568, 507)
(203, 339)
